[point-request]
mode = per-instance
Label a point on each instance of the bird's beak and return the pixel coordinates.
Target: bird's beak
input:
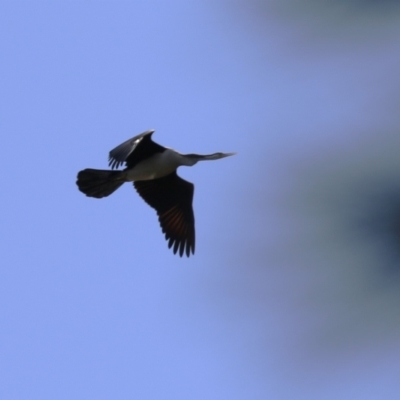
(214, 156)
(227, 154)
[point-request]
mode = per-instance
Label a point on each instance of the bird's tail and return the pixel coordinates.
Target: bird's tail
(99, 183)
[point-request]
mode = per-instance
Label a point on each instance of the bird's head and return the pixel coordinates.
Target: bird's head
(194, 158)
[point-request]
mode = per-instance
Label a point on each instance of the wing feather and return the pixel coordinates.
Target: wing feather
(172, 197)
(125, 152)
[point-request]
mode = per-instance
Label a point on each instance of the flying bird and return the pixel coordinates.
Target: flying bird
(152, 169)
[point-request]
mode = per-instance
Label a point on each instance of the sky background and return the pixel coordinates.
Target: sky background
(294, 290)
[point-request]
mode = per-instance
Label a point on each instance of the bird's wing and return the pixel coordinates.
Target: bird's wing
(124, 153)
(172, 196)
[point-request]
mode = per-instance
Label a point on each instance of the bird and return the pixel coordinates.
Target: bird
(152, 169)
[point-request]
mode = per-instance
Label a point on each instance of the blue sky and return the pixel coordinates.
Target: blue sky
(293, 290)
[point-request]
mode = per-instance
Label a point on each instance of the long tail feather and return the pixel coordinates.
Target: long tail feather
(99, 183)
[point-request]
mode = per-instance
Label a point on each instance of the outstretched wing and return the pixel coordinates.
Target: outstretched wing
(125, 152)
(172, 197)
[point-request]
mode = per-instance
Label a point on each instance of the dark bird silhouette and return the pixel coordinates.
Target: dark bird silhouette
(152, 169)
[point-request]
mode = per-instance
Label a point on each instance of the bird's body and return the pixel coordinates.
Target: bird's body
(157, 166)
(152, 169)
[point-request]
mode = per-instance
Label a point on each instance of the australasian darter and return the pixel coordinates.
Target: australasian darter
(152, 169)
